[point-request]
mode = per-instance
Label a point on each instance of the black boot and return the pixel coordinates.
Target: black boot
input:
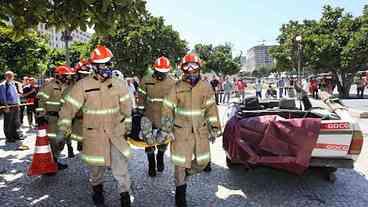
(208, 167)
(125, 199)
(70, 150)
(160, 161)
(180, 192)
(151, 164)
(97, 196)
(80, 146)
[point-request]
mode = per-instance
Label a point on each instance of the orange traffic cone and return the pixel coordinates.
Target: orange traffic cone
(43, 161)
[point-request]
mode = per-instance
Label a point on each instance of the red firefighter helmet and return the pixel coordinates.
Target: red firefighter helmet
(101, 54)
(82, 63)
(64, 70)
(190, 62)
(162, 64)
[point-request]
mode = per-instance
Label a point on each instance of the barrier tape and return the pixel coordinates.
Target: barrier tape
(11, 106)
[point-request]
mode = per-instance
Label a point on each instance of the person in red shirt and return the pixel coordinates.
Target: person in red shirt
(240, 87)
(314, 88)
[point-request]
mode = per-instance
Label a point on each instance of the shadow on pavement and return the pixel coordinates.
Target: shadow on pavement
(221, 187)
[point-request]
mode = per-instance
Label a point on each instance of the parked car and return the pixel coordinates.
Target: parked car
(337, 144)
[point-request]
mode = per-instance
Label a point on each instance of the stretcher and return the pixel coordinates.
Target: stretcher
(137, 143)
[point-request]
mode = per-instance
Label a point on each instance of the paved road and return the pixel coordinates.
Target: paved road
(222, 187)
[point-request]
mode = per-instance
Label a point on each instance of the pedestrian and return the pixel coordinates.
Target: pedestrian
(214, 83)
(132, 90)
(271, 92)
(152, 90)
(49, 104)
(106, 112)
(240, 87)
(259, 88)
(135, 82)
(361, 84)
(29, 95)
(25, 83)
(220, 89)
(281, 86)
(228, 87)
(322, 84)
(9, 101)
(190, 113)
(314, 88)
(287, 85)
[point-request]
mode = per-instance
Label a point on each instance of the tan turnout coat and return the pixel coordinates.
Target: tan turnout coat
(190, 112)
(106, 108)
(151, 95)
(49, 103)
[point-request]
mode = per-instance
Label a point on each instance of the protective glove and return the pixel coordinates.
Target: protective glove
(161, 136)
(149, 139)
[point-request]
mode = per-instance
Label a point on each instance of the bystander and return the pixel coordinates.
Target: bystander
(9, 100)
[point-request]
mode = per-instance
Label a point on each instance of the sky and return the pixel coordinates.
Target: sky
(244, 23)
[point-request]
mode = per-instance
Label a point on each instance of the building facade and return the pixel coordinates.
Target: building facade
(55, 37)
(257, 57)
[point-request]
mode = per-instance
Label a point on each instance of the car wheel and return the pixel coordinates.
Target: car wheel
(330, 174)
(331, 177)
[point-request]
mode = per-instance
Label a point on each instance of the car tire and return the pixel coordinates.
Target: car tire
(330, 174)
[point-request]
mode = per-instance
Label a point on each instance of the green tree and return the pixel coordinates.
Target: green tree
(77, 51)
(103, 15)
(218, 59)
(66, 15)
(334, 43)
(136, 46)
(24, 56)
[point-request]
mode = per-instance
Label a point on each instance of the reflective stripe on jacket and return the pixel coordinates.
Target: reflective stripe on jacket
(151, 96)
(105, 107)
(190, 113)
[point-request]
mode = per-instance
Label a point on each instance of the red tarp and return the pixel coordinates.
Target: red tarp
(272, 141)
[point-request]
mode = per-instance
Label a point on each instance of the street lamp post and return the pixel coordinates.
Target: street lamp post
(299, 42)
(299, 81)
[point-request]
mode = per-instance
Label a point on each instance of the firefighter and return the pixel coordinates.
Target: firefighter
(106, 109)
(190, 115)
(83, 69)
(153, 88)
(49, 105)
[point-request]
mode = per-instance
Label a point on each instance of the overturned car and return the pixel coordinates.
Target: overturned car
(282, 135)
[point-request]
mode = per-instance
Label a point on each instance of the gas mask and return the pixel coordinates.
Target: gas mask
(159, 75)
(192, 78)
(103, 70)
(61, 78)
(191, 73)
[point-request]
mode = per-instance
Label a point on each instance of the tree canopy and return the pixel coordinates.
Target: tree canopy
(24, 56)
(336, 43)
(77, 50)
(136, 46)
(103, 15)
(218, 59)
